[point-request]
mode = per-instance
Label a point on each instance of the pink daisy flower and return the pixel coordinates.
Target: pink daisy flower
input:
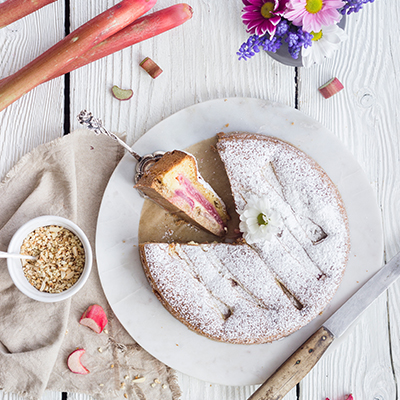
(313, 14)
(261, 16)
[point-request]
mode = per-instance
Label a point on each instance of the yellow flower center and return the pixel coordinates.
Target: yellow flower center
(316, 35)
(267, 8)
(262, 219)
(314, 6)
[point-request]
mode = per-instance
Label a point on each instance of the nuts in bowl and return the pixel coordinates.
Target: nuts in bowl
(63, 258)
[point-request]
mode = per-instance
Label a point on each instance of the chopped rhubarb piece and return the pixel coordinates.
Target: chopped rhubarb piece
(74, 362)
(121, 94)
(198, 197)
(348, 397)
(151, 67)
(330, 88)
(95, 318)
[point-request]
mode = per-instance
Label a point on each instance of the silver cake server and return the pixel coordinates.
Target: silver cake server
(96, 125)
(300, 363)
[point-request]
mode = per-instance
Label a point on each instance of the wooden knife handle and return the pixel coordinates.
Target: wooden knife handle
(295, 368)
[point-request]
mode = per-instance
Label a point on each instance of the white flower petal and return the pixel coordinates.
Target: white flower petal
(249, 226)
(332, 37)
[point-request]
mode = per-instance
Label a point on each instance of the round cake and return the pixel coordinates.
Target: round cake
(283, 270)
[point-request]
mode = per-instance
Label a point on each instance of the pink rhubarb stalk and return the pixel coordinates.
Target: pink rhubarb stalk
(142, 29)
(13, 10)
(47, 65)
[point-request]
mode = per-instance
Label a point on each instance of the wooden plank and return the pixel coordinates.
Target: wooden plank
(47, 396)
(364, 118)
(38, 116)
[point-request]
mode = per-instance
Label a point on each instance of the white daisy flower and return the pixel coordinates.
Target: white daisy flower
(258, 221)
(324, 44)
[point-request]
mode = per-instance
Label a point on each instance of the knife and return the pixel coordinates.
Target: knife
(300, 363)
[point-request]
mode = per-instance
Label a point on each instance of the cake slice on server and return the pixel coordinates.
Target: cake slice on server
(175, 183)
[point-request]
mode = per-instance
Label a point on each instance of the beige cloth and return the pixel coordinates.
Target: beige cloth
(67, 177)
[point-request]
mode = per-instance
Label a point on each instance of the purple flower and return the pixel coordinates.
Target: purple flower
(250, 48)
(271, 45)
(296, 39)
(282, 28)
(353, 6)
(262, 16)
(254, 43)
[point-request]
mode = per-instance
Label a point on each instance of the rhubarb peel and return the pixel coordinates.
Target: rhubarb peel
(94, 318)
(330, 88)
(13, 10)
(74, 362)
(47, 65)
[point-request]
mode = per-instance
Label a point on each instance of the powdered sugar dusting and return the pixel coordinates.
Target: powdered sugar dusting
(241, 293)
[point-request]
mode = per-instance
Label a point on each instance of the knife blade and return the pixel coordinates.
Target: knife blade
(300, 363)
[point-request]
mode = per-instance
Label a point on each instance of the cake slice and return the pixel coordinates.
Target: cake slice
(175, 184)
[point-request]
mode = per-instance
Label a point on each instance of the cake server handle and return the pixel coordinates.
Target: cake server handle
(96, 125)
(295, 368)
(144, 163)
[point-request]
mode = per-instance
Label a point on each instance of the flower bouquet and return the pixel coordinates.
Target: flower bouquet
(310, 28)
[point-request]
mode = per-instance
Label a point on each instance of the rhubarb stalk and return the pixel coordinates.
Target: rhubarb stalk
(142, 29)
(13, 10)
(47, 65)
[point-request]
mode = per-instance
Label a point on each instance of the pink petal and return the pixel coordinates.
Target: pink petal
(310, 23)
(334, 3)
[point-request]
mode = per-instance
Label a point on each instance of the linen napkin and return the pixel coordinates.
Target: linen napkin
(67, 177)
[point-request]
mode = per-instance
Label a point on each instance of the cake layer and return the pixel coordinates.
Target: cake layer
(175, 183)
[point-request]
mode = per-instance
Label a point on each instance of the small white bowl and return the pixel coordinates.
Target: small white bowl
(15, 265)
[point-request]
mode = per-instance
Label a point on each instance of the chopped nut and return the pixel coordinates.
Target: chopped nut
(138, 379)
(125, 395)
(126, 377)
(60, 258)
(105, 331)
(156, 381)
(153, 384)
(101, 384)
(100, 350)
(164, 386)
(122, 384)
(112, 366)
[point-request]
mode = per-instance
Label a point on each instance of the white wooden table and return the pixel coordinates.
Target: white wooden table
(200, 63)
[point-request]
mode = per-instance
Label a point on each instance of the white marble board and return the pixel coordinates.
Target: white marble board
(118, 260)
